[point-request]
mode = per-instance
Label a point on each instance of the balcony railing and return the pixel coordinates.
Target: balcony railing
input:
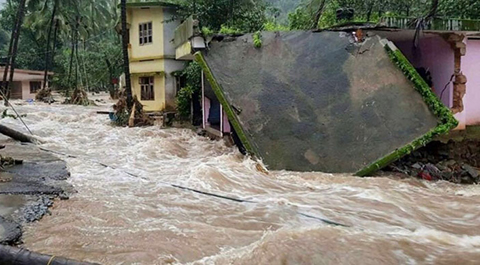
(435, 24)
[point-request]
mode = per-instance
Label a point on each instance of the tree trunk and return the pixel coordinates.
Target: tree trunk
(12, 256)
(318, 14)
(71, 65)
(126, 66)
(7, 66)
(16, 135)
(54, 47)
(111, 85)
(370, 10)
(78, 62)
(18, 27)
(10, 48)
(433, 9)
(11, 55)
(74, 33)
(47, 54)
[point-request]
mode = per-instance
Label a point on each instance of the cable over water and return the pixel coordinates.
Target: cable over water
(118, 218)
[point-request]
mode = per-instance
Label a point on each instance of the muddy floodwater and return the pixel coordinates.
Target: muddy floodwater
(139, 218)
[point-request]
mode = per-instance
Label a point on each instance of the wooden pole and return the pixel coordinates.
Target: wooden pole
(16, 135)
(18, 256)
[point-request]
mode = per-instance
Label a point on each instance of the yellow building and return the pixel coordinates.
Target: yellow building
(152, 53)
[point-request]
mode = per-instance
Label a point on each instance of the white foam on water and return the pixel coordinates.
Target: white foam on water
(116, 218)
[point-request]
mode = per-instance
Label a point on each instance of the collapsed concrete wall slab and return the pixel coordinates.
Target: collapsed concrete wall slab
(318, 101)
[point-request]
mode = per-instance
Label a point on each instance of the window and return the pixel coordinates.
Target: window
(145, 33)
(180, 82)
(35, 86)
(146, 88)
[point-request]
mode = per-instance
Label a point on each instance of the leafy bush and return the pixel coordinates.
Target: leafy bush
(229, 30)
(272, 26)
(184, 101)
(257, 40)
(192, 75)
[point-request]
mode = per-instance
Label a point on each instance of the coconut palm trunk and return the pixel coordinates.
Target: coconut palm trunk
(318, 14)
(126, 66)
(74, 38)
(433, 9)
(7, 66)
(14, 49)
(54, 46)
(47, 54)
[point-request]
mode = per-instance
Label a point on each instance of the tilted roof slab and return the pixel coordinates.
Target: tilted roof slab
(317, 101)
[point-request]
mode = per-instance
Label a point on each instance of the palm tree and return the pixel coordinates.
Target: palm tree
(13, 49)
(73, 22)
(126, 66)
(47, 54)
(318, 13)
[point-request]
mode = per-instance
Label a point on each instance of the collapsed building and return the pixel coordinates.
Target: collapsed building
(351, 99)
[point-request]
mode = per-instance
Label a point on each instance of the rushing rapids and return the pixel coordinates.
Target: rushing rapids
(129, 214)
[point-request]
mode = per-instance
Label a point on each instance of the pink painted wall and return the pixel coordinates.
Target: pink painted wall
(226, 124)
(471, 69)
(206, 112)
(435, 54)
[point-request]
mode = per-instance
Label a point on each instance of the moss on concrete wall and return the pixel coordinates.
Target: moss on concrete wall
(446, 120)
(228, 109)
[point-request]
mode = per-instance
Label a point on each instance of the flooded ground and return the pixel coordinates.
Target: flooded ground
(119, 218)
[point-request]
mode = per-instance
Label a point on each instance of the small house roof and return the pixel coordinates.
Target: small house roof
(149, 3)
(27, 75)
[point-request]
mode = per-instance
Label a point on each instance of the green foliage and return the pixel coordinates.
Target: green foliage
(91, 66)
(229, 30)
(329, 16)
(300, 19)
(279, 9)
(184, 101)
(466, 9)
(272, 26)
(97, 40)
(206, 31)
(302, 16)
(257, 39)
(5, 114)
(242, 15)
(192, 74)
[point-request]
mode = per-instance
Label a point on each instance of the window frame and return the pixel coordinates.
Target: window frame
(147, 88)
(145, 33)
(37, 89)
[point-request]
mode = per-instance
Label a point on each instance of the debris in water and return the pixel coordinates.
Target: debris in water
(79, 97)
(136, 117)
(45, 95)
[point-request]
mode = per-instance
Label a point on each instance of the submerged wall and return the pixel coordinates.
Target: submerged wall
(309, 101)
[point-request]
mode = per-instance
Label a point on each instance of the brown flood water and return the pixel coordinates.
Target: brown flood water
(116, 218)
